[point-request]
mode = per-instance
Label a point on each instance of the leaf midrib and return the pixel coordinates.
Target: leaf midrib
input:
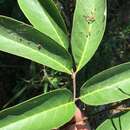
(52, 109)
(60, 15)
(84, 51)
(47, 15)
(105, 88)
(56, 31)
(34, 50)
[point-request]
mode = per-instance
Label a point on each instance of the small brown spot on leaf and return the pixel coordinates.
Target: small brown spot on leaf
(90, 19)
(39, 47)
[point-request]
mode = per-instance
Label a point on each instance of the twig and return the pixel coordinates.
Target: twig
(74, 85)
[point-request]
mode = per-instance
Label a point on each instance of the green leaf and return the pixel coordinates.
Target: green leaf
(54, 12)
(43, 112)
(88, 28)
(44, 16)
(22, 40)
(116, 123)
(109, 86)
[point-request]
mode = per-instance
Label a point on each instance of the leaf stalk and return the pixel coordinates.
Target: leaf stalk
(74, 85)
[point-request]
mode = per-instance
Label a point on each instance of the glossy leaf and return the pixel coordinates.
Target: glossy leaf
(109, 86)
(44, 16)
(43, 112)
(88, 28)
(116, 123)
(22, 40)
(55, 13)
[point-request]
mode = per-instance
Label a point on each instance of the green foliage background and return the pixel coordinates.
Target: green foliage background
(21, 79)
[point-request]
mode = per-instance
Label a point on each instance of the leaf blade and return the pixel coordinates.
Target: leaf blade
(119, 122)
(34, 113)
(37, 14)
(22, 40)
(55, 13)
(88, 29)
(109, 86)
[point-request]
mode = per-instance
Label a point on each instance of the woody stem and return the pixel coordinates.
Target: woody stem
(74, 85)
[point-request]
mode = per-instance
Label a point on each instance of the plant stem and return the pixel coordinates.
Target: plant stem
(74, 85)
